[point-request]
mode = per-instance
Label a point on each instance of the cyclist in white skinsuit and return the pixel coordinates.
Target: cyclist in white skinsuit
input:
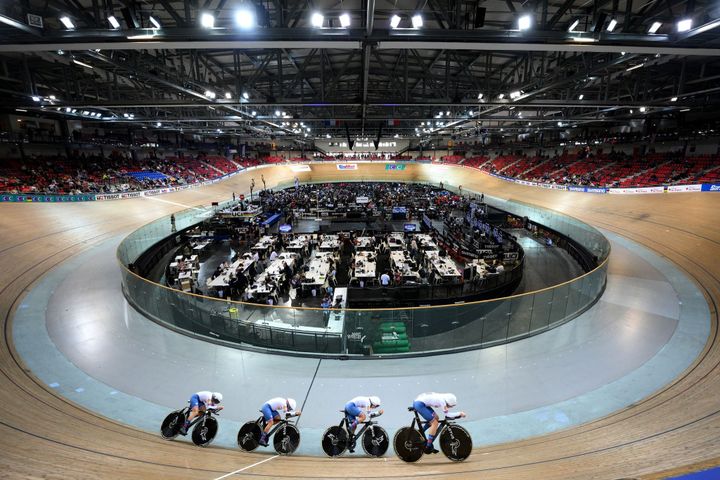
(357, 410)
(200, 402)
(424, 404)
(272, 410)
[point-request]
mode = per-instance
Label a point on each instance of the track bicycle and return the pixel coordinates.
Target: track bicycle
(337, 439)
(455, 441)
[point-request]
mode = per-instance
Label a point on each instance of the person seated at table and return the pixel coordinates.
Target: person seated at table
(273, 255)
(499, 267)
(216, 273)
(385, 279)
(397, 278)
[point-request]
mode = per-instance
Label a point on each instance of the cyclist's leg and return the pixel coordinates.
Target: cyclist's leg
(271, 416)
(429, 416)
(354, 415)
(195, 404)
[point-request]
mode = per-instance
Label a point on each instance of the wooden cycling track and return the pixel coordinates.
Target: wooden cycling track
(677, 429)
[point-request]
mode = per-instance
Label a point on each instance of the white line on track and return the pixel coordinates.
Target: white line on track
(246, 468)
(173, 203)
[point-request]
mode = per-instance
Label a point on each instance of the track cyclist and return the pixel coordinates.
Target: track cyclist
(271, 413)
(200, 402)
(357, 410)
(424, 405)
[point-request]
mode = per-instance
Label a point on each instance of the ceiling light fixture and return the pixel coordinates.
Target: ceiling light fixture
(154, 21)
(673, 99)
(611, 26)
(395, 21)
(581, 96)
(524, 22)
(246, 95)
(67, 22)
(417, 21)
(78, 62)
(245, 18)
(317, 20)
(574, 25)
(113, 22)
(207, 20)
(634, 67)
(684, 25)
(344, 20)
(654, 27)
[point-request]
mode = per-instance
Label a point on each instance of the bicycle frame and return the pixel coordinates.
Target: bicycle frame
(278, 424)
(417, 421)
(358, 433)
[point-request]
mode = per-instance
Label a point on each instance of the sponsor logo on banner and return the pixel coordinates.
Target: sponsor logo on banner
(637, 190)
(525, 182)
(394, 166)
(587, 189)
(347, 166)
(576, 189)
(362, 199)
(684, 188)
(300, 168)
(711, 187)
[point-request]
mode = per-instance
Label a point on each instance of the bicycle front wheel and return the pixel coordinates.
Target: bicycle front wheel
(375, 441)
(456, 443)
(409, 444)
(204, 432)
(287, 439)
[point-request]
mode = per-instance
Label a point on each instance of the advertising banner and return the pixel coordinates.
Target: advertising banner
(684, 188)
(574, 188)
(35, 198)
(711, 187)
(347, 166)
(300, 168)
(394, 166)
(637, 190)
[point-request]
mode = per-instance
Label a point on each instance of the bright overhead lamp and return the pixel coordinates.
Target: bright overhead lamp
(317, 20)
(246, 95)
(113, 22)
(654, 27)
(82, 64)
(245, 18)
(684, 25)
(52, 97)
(207, 20)
(85, 112)
(501, 96)
(673, 99)
(643, 109)
(158, 124)
(524, 22)
(611, 26)
(395, 21)
(228, 95)
(67, 22)
(480, 96)
(344, 20)
(210, 94)
(36, 98)
(574, 25)
(515, 94)
(581, 96)
(277, 113)
(447, 113)
(254, 113)
(417, 21)
(634, 67)
(67, 109)
(126, 115)
(154, 21)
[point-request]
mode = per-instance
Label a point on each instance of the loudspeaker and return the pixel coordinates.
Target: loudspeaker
(479, 17)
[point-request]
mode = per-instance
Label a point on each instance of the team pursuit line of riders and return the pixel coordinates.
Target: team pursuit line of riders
(276, 423)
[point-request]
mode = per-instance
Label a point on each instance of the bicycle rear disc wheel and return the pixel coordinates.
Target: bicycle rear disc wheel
(456, 443)
(204, 432)
(334, 441)
(248, 438)
(170, 427)
(375, 441)
(287, 439)
(409, 444)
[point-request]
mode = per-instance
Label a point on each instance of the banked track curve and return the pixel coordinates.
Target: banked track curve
(673, 430)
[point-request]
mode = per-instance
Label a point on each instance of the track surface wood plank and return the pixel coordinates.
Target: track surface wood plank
(42, 435)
